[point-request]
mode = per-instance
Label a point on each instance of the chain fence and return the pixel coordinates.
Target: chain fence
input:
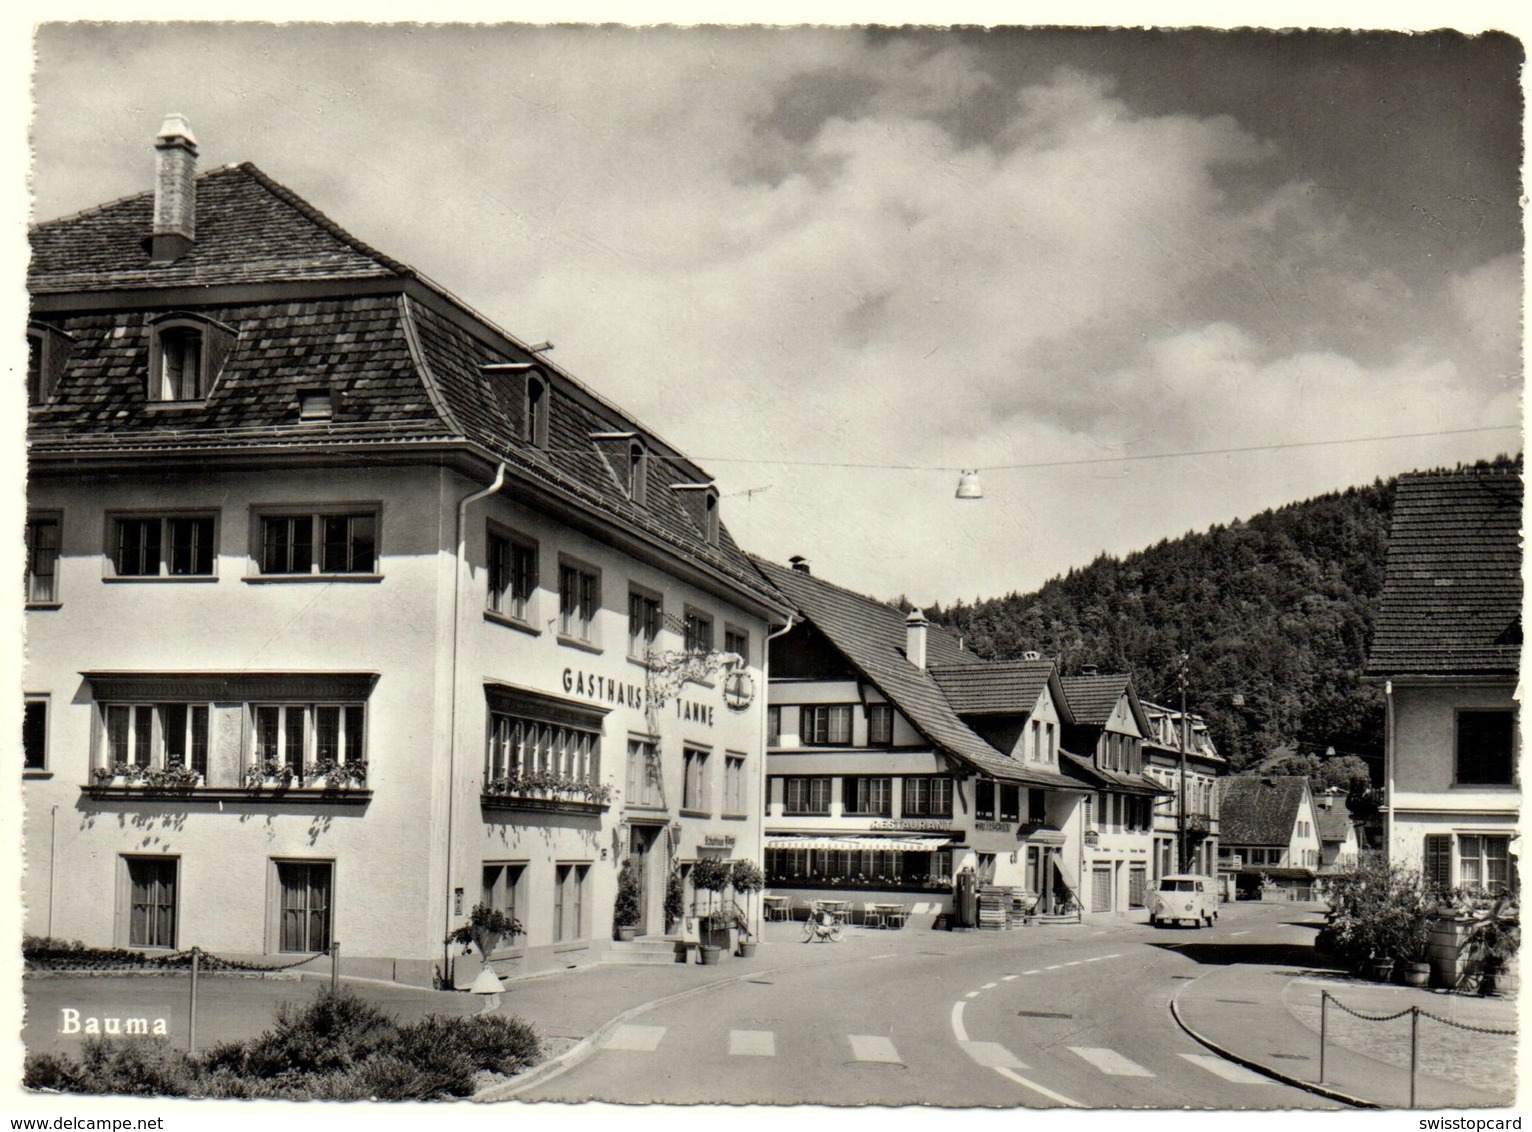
(121, 961)
(1414, 1013)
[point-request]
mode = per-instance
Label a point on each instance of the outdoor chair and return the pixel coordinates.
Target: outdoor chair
(896, 918)
(872, 915)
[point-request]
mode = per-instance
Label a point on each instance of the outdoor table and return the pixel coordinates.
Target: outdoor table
(778, 908)
(888, 911)
(838, 907)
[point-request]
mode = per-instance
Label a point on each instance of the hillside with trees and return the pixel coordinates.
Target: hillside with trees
(1274, 612)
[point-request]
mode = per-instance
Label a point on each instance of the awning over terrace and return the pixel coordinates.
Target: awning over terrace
(871, 841)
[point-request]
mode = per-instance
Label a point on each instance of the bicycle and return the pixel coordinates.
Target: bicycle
(824, 925)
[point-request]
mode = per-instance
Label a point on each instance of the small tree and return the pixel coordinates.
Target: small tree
(675, 899)
(748, 879)
(710, 875)
(626, 912)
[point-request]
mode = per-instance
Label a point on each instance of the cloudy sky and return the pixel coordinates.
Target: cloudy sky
(838, 266)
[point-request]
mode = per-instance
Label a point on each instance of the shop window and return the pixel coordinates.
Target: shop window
(305, 899)
(152, 901)
(1485, 742)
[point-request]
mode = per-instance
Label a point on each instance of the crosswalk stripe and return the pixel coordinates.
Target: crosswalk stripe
(644, 1038)
(1110, 1062)
(873, 1047)
(1226, 1069)
(972, 994)
(958, 1031)
(991, 1055)
(752, 1043)
(1035, 1087)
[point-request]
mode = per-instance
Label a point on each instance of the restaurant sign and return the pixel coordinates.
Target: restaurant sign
(718, 841)
(994, 826)
(912, 824)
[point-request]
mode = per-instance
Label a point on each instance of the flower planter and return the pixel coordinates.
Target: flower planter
(747, 950)
(627, 932)
(1416, 974)
(1382, 970)
(708, 954)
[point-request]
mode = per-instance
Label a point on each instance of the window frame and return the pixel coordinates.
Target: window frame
(536, 410)
(151, 749)
(508, 601)
(571, 878)
(36, 522)
(737, 641)
(646, 792)
(808, 785)
(41, 768)
(214, 342)
(696, 781)
(736, 786)
(164, 544)
(261, 514)
(506, 893)
(774, 725)
(579, 605)
(809, 725)
(883, 735)
(854, 805)
(521, 744)
(128, 902)
(919, 795)
(650, 619)
(277, 907)
(1509, 755)
(308, 760)
(697, 627)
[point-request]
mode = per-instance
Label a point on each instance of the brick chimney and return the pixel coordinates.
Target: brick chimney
(915, 638)
(175, 191)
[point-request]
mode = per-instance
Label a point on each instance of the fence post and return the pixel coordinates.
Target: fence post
(1324, 1002)
(334, 964)
(1414, 1049)
(191, 1025)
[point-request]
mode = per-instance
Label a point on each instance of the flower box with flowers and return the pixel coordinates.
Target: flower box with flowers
(544, 790)
(148, 779)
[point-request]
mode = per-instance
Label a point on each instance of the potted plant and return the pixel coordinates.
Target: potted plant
(675, 901)
(748, 880)
(710, 875)
(625, 912)
(485, 928)
(1493, 940)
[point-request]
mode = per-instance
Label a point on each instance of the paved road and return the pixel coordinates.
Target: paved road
(1006, 1020)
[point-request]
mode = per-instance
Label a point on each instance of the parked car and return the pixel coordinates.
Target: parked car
(1184, 896)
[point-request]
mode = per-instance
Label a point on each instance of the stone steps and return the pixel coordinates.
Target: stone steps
(646, 951)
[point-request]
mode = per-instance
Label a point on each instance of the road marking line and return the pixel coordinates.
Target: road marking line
(643, 1038)
(752, 1043)
(873, 1047)
(1073, 963)
(1117, 956)
(957, 1022)
(972, 994)
(989, 986)
(1049, 1093)
(1055, 967)
(1226, 1069)
(1101, 932)
(1110, 1062)
(1033, 971)
(1008, 978)
(1246, 932)
(991, 1055)
(1094, 959)
(890, 955)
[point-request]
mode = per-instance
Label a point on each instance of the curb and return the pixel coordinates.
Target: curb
(1265, 1070)
(575, 1054)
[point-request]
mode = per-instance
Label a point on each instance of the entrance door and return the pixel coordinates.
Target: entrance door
(640, 841)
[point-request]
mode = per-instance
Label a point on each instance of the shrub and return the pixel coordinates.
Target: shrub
(49, 1071)
(675, 899)
(133, 1067)
(1377, 910)
(335, 1031)
(625, 911)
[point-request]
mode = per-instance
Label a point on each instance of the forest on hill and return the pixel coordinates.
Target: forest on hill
(1274, 613)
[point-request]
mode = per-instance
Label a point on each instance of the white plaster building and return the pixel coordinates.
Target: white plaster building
(344, 605)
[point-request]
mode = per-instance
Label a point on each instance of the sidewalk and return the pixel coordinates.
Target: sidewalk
(1267, 1016)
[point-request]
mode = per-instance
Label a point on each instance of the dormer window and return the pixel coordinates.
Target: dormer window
(47, 351)
(638, 473)
(185, 356)
(701, 503)
(535, 420)
(315, 405)
(710, 517)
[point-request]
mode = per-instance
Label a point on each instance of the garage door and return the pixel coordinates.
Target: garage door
(1101, 888)
(1136, 876)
